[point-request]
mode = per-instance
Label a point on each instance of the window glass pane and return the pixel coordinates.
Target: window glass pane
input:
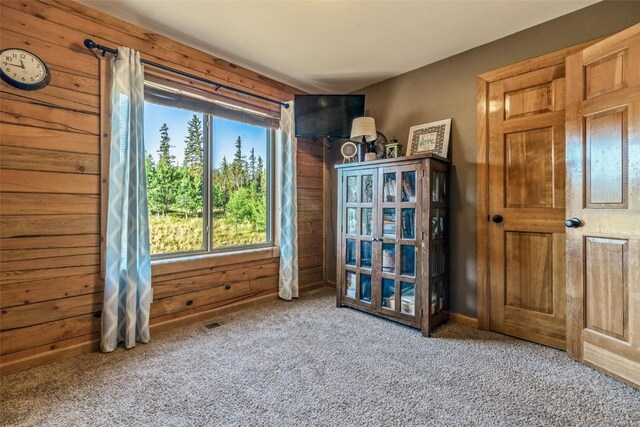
(388, 294)
(365, 287)
(389, 222)
(367, 188)
(408, 186)
(408, 260)
(367, 221)
(365, 254)
(409, 223)
(352, 189)
(239, 185)
(351, 221)
(350, 282)
(388, 257)
(350, 259)
(389, 187)
(407, 298)
(174, 167)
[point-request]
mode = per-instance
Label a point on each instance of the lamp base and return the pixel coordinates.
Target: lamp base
(370, 156)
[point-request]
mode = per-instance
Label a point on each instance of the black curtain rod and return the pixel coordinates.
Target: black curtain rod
(90, 44)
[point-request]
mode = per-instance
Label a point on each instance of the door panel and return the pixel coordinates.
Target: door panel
(398, 212)
(527, 188)
(529, 180)
(607, 286)
(603, 191)
(607, 159)
(529, 267)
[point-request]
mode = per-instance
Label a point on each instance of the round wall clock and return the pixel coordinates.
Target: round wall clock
(349, 151)
(23, 69)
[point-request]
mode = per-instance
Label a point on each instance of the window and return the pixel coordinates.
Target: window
(208, 180)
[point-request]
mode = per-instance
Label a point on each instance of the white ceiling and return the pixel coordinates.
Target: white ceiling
(324, 46)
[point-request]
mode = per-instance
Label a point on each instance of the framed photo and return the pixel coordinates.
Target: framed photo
(430, 138)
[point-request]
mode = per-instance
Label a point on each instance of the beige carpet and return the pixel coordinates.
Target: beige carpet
(309, 363)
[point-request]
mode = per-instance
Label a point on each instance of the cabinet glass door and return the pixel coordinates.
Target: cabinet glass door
(398, 210)
(358, 226)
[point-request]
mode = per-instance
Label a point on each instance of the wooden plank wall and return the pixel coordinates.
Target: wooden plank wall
(50, 287)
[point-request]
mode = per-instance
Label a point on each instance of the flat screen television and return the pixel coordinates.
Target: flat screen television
(319, 116)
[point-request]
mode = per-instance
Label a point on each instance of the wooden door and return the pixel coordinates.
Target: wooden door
(357, 200)
(527, 206)
(399, 237)
(603, 197)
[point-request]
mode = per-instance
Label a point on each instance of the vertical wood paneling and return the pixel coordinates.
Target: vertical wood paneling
(50, 191)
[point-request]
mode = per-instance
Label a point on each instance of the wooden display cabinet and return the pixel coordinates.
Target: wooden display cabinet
(392, 220)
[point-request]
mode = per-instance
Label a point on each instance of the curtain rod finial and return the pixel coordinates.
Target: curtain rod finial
(90, 44)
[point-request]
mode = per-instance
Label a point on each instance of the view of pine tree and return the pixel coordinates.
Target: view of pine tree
(190, 187)
(162, 182)
(193, 144)
(239, 167)
(252, 165)
(165, 148)
(175, 194)
(260, 176)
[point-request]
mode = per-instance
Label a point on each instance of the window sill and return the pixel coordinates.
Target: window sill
(196, 262)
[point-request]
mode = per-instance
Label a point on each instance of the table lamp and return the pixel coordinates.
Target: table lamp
(363, 130)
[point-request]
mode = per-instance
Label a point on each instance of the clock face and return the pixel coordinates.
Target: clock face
(348, 150)
(23, 69)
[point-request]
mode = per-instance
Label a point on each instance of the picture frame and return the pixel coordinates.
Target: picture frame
(430, 138)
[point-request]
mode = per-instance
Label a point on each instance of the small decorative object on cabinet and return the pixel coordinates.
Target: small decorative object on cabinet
(392, 149)
(392, 239)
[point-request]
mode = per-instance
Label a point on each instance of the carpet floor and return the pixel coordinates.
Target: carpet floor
(309, 363)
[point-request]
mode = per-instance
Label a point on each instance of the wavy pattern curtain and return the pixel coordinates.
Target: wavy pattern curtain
(127, 292)
(288, 285)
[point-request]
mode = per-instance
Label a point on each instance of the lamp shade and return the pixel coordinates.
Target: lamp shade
(363, 127)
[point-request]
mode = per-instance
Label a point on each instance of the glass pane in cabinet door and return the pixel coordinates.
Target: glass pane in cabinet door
(433, 261)
(351, 221)
(388, 294)
(365, 254)
(443, 186)
(350, 284)
(367, 189)
(434, 298)
(389, 186)
(389, 222)
(407, 298)
(409, 223)
(408, 186)
(367, 221)
(365, 287)
(388, 257)
(352, 189)
(408, 260)
(350, 259)
(435, 186)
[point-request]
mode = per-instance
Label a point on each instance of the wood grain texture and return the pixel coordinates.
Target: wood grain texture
(51, 143)
(603, 191)
(526, 181)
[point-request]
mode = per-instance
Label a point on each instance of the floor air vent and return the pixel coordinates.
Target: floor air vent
(212, 325)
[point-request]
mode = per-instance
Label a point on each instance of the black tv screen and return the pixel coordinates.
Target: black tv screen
(319, 116)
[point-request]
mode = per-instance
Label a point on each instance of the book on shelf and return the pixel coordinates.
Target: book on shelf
(408, 193)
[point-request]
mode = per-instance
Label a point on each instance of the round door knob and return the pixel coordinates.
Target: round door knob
(497, 219)
(573, 222)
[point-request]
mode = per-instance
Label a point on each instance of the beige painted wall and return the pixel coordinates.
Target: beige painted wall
(448, 89)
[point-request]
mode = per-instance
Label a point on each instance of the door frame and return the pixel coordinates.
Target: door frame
(482, 164)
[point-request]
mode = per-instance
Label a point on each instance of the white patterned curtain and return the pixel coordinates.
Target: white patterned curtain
(288, 285)
(127, 288)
